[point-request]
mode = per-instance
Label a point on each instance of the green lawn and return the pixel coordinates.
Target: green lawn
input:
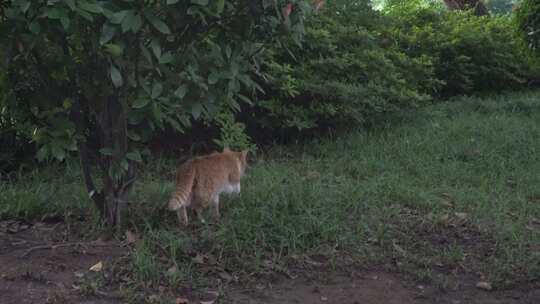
(452, 186)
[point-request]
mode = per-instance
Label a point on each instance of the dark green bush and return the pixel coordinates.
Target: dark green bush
(342, 74)
(469, 53)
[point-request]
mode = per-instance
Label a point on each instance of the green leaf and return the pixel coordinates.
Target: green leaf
(228, 51)
(114, 49)
(124, 164)
(245, 99)
(116, 77)
(90, 7)
(106, 151)
(220, 6)
(158, 24)
(65, 22)
(146, 54)
(134, 156)
(118, 17)
(166, 58)
(58, 152)
(128, 21)
(107, 33)
(85, 15)
(25, 5)
(140, 102)
(133, 136)
(196, 110)
(43, 153)
(131, 21)
(156, 48)
(181, 91)
(171, 2)
(52, 13)
(34, 27)
(70, 3)
(213, 78)
(200, 2)
(137, 23)
(157, 89)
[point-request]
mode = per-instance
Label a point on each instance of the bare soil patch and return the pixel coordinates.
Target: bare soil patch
(371, 287)
(40, 263)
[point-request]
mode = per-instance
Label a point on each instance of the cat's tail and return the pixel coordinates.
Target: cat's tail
(185, 178)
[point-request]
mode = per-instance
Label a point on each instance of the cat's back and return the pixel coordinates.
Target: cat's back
(217, 165)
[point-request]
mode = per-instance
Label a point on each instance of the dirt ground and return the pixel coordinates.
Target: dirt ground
(40, 264)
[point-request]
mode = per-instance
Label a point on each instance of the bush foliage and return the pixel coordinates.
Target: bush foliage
(356, 63)
(352, 65)
(343, 73)
(469, 53)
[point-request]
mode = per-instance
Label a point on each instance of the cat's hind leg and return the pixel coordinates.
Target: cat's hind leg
(199, 213)
(182, 216)
(215, 208)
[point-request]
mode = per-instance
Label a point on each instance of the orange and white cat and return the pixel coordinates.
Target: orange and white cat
(201, 180)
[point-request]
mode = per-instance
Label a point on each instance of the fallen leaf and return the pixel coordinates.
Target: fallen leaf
(312, 175)
(181, 301)
(399, 249)
(214, 294)
(154, 298)
(461, 215)
(172, 271)
(210, 259)
(98, 267)
(131, 237)
(323, 298)
(227, 277)
(78, 274)
(198, 259)
(444, 218)
(484, 285)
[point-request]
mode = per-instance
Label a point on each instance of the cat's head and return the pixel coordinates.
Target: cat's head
(242, 157)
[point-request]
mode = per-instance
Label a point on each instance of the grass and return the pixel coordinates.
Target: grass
(454, 185)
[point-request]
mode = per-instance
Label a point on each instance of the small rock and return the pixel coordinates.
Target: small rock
(324, 299)
(172, 270)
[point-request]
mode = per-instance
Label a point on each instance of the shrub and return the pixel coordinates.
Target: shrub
(469, 53)
(343, 74)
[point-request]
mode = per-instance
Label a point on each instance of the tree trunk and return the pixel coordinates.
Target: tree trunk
(118, 172)
(477, 5)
